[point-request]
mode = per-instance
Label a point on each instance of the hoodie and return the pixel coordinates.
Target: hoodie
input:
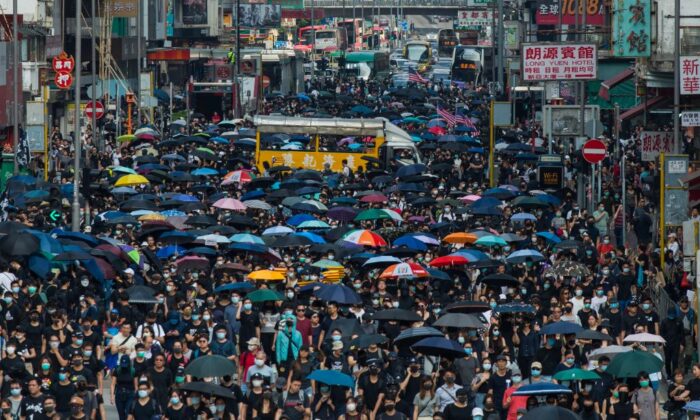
(288, 338)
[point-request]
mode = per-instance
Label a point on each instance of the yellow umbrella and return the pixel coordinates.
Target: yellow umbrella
(460, 238)
(152, 217)
(131, 180)
(266, 275)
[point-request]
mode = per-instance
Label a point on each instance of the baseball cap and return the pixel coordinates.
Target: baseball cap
(477, 411)
(77, 400)
(337, 345)
(536, 365)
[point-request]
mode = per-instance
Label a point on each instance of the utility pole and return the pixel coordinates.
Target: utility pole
(501, 50)
(75, 214)
(677, 80)
(93, 69)
(15, 86)
(139, 30)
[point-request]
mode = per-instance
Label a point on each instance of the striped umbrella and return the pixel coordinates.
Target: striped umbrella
(404, 270)
(364, 237)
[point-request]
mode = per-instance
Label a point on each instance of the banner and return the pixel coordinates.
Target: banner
(122, 8)
(194, 12)
(655, 142)
(690, 119)
(690, 75)
(632, 28)
(289, 4)
(260, 15)
(474, 20)
(548, 12)
(511, 30)
(559, 62)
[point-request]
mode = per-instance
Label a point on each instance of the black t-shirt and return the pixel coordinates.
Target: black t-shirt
(649, 319)
(63, 394)
(694, 388)
(161, 383)
(144, 411)
(13, 367)
(452, 412)
(252, 400)
(289, 403)
(249, 322)
(34, 333)
(32, 406)
(371, 390)
(396, 416)
(629, 321)
(184, 412)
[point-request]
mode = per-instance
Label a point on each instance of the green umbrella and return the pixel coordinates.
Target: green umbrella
(576, 374)
(264, 295)
(324, 263)
(372, 214)
(490, 240)
(628, 365)
(126, 137)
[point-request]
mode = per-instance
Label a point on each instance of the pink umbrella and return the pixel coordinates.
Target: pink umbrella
(192, 263)
(374, 198)
(229, 204)
(469, 198)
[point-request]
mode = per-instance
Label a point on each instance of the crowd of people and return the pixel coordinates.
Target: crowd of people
(190, 297)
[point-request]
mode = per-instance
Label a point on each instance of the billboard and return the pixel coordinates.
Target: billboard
(548, 12)
(632, 28)
(260, 15)
(289, 4)
(655, 142)
(194, 12)
(122, 8)
(559, 62)
(474, 19)
(690, 75)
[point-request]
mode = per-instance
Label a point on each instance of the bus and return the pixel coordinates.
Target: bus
(367, 64)
(447, 41)
(305, 34)
(467, 64)
(355, 30)
(418, 52)
(328, 40)
(313, 143)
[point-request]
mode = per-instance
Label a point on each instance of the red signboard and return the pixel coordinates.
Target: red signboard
(594, 151)
(63, 63)
(559, 62)
(97, 107)
(63, 80)
(548, 12)
(690, 75)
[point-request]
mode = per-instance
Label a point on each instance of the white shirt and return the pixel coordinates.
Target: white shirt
(6, 279)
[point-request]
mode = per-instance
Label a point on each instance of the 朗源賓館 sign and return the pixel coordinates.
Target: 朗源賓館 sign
(654, 143)
(631, 28)
(690, 75)
(690, 119)
(559, 62)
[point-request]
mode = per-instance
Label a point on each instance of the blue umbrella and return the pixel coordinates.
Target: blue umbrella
(332, 378)
(176, 237)
(75, 236)
(486, 202)
(414, 335)
(361, 109)
(205, 172)
(542, 388)
(339, 294)
(39, 266)
(522, 217)
(247, 238)
(300, 218)
(439, 346)
(303, 97)
(411, 170)
(486, 211)
(549, 198)
(23, 179)
(219, 140)
(693, 406)
(168, 251)
(173, 156)
(317, 239)
(36, 194)
(438, 274)
(524, 255)
(311, 287)
(472, 254)
(511, 308)
(277, 230)
(551, 237)
(410, 242)
(47, 243)
(173, 213)
(235, 287)
(252, 195)
(202, 250)
(182, 197)
(247, 247)
(381, 260)
(124, 190)
(561, 327)
(499, 193)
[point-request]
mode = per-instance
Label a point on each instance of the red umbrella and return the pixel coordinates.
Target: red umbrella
(192, 263)
(438, 131)
(113, 249)
(106, 268)
(448, 260)
(374, 198)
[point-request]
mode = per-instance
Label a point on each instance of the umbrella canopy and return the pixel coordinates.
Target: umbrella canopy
(338, 293)
(561, 327)
(413, 335)
(211, 366)
(513, 308)
(364, 237)
(396, 315)
(141, 294)
(367, 340)
(500, 280)
(404, 270)
(458, 320)
(19, 244)
(229, 204)
(644, 338)
(439, 346)
(460, 238)
(609, 351)
(568, 269)
(628, 365)
(207, 388)
(524, 255)
(448, 260)
(266, 275)
(131, 180)
(490, 241)
(542, 388)
(576, 374)
(264, 295)
(693, 406)
(592, 335)
(550, 412)
(332, 378)
(468, 307)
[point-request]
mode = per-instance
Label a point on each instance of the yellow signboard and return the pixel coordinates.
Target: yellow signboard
(313, 160)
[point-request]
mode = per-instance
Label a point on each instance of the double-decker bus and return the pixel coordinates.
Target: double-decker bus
(447, 41)
(467, 64)
(355, 29)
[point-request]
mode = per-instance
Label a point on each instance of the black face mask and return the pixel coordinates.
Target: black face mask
(76, 409)
(389, 407)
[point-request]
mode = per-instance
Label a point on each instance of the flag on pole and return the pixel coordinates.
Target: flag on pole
(414, 76)
(464, 120)
(449, 118)
(24, 156)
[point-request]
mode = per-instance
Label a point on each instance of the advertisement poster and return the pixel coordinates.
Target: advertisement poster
(289, 4)
(474, 20)
(512, 35)
(632, 28)
(559, 62)
(548, 12)
(655, 142)
(194, 12)
(690, 75)
(690, 119)
(260, 15)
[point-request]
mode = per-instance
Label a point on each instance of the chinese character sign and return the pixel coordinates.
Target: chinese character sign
(690, 75)
(548, 12)
(63, 80)
(559, 62)
(63, 62)
(632, 28)
(690, 119)
(474, 19)
(655, 142)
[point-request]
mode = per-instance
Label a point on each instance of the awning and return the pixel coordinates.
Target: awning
(641, 107)
(605, 87)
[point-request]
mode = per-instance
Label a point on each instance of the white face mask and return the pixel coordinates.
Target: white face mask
(257, 383)
(351, 406)
(259, 362)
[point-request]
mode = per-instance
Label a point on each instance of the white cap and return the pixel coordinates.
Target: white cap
(477, 412)
(129, 271)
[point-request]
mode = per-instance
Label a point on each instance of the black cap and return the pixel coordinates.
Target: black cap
(256, 375)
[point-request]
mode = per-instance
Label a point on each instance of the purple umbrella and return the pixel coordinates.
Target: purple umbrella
(342, 214)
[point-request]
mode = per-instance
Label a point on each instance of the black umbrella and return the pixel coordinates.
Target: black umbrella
(592, 335)
(132, 205)
(347, 326)
(550, 412)
(200, 220)
(207, 388)
(439, 346)
(261, 182)
(19, 244)
(500, 280)
(211, 366)
(457, 320)
(569, 244)
(396, 315)
(413, 335)
(141, 294)
(290, 241)
(72, 256)
(367, 340)
(468, 307)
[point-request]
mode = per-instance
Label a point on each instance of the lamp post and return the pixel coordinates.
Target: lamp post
(15, 86)
(75, 214)
(677, 78)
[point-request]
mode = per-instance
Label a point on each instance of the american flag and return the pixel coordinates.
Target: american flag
(451, 119)
(464, 120)
(414, 76)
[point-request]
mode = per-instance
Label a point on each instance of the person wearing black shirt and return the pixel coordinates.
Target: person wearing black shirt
(63, 389)
(372, 387)
(144, 407)
(458, 410)
(12, 366)
(630, 319)
(176, 408)
(390, 411)
(694, 384)
(32, 404)
(250, 322)
(49, 412)
(161, 377)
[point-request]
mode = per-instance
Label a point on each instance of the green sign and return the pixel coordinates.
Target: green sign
(54, 215)
(631, 28)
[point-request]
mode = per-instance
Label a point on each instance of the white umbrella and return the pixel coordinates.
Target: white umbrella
(212, 238)
(644, 338)
(609, 351)
(257, 204)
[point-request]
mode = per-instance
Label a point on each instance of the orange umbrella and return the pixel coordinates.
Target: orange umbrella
(460, 238)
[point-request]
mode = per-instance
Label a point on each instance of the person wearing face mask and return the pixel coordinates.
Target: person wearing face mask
(352, 411)
(458, 409)
(466, 366)
(512, 404)
(447, 393)
(649, 317)
(601, 387)
(371, 387)
(77, 408)
(480, 385)
(644, 398)
(587, 409)
(144, 407)
(288, 341)
(49, 410)
(11, 366)
(268, 373)
(569, 362)
(176, 408)
(221, 345)
(250, 323)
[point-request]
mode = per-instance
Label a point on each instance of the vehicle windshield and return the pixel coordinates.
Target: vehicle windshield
(417, 52)
(325, 34)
